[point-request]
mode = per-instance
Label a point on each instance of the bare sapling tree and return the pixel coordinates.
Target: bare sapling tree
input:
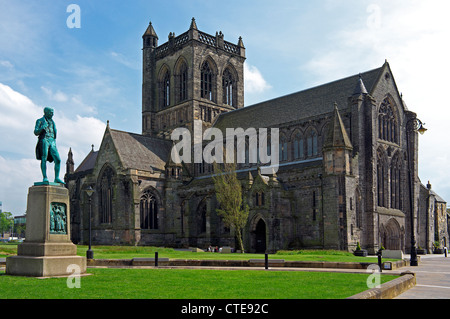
(233, 209)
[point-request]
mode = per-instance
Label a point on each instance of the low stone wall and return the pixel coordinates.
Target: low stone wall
(390, 289)
(208, 263)
(109, 262)
(236, 263)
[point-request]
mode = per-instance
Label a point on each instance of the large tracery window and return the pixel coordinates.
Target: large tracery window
(149, 211)
(387, 122)
(106, 196)
(228, 88)
(206, 82)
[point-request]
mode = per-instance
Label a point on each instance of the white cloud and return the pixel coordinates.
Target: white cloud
(18, 115)
(18, 167)
(6, 64)
(68, 102)
(17, 176)
(253, 80)
(119, 57)
(256, 88)
(58, 96)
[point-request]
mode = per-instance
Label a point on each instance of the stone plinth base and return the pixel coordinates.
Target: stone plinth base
(47, 250)
(45, 266)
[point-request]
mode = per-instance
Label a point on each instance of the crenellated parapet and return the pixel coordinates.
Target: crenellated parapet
(176, 43)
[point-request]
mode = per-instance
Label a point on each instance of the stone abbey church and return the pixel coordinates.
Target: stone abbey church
(345, 153)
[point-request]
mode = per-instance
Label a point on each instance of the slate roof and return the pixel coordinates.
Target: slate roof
(438, 198)
(304, 104)
(141, 152)
(88, 162)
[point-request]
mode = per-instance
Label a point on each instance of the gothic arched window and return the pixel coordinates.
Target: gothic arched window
(201, 215)
(259, 199)
(358, 208)
(381, 180)
(228, 86)
(206, 82)
(148, 207)
(166, 86)
(311, 141)
(106, 196)
(182, 83)
(396, 188)
(283, 149)
(298, 146)
(164, 89)
(387, 123)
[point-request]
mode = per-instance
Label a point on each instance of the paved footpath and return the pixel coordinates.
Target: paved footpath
(432, 278)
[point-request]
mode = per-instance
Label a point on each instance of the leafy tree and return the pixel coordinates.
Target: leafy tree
(229, 195)
(6, 222)
(19, 230)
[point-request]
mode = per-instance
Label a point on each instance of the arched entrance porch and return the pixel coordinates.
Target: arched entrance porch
(258, 235)
(392, 235)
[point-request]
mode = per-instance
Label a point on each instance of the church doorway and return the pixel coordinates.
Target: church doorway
(392, 236)
(260, 237)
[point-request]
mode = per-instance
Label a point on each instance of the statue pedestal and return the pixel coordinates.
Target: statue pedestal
(47, 249)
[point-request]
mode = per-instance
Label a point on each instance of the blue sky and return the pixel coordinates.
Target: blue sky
(93, 73)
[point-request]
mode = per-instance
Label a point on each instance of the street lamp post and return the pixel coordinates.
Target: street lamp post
(413, 125)
(90, 252)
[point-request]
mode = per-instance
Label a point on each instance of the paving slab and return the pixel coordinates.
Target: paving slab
(432, 278)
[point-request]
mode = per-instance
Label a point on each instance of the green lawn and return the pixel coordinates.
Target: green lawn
(192, 283)
(129, 252)
(8, 249)
(189, 284)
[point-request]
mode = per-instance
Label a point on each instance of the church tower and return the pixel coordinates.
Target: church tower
(193, 76)
(150, 42)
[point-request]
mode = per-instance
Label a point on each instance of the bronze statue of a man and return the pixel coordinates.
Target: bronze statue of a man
(46, 149)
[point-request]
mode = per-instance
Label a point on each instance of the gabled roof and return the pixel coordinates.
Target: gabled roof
(141, 152)
(88, 163)
(432, 192)
(304, 104)
(438, 198)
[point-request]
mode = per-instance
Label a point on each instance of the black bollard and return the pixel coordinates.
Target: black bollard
(266, 261)
(156, 259)
(379, 260)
